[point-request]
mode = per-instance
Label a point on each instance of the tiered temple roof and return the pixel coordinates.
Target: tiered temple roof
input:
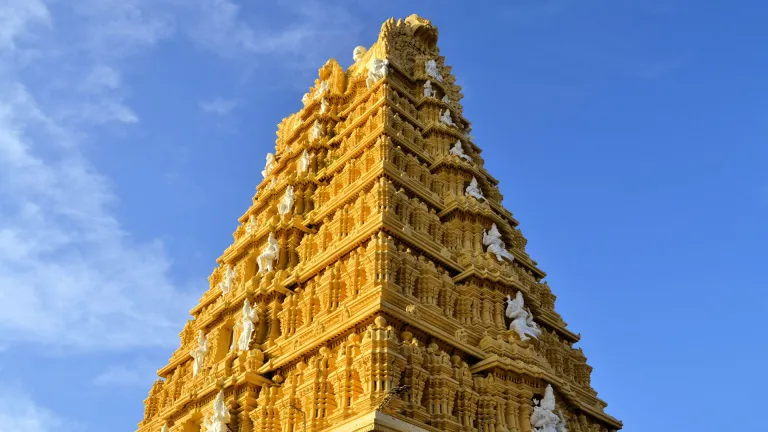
(376, 282)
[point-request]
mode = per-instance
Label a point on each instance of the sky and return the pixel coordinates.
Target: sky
(629, 139)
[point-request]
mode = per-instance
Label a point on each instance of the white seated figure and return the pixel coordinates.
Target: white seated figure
(250, 228)
(286, 202)
(269, 255)
(322, 89)
(446, 99)
(198, 354)
(269, 166)
(428, 89)
(473, 190)
(458, 150)
(247, 325)
(522, 320)
(445, 118)
(218, 420)
(316, 132)
(304, 162)
(492, 239)
(229, 278)
(430, 67)
(543, 418)
(376, 71)
(323, 106)
(305, 99)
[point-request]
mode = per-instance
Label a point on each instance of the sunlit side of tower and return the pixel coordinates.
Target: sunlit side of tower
(376, 282)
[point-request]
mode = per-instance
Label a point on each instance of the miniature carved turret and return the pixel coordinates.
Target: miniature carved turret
(376, 282)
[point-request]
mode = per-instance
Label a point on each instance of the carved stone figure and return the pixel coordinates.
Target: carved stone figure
(323, 106)
(376, 71)
(543, 418)
(473, 190)
(270, 165)
(218, 420)
(198, 354)
(428, 89)
(286, 202)
(431, 69)
(246, 325)
(492, 239)
(458, 150)
(358, 53)
(445, 118)
(316, 132)
(521, 323)
(269, 255)
(305, 99)
(250, 228)
(446, 99)
(229, 278)
(304, 162)
(321, 89)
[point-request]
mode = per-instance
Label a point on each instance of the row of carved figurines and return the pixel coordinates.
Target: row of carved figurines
(543, 418)
(271, 252)
(521, 322)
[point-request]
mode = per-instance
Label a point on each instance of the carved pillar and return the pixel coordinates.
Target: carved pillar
(526, 408)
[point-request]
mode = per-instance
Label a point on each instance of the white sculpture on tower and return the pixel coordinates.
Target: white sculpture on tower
(323, 106)
(198, 354)
(250, 228)
(164, 428)
(220, 416)
(270, 165)
(246, 324)
(431, 69)
(543, 418)
(229, 278)
(304, 162)
(376, 71)
(322, 89)
(358, 53)
(428, 89)
(473, 190)
(446, 99)
(305, 99)
(316, 132)
(458, 150)
(445, 118)
(286, 202)
(522, 320)
(492, 239)
(269, 255)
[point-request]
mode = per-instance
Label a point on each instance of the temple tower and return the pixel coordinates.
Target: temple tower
(376, 282)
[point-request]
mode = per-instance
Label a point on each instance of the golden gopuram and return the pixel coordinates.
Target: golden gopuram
(376, 283)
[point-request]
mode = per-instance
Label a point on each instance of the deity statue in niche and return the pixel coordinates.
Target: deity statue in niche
(377, 71)
(473, 190)
(543, 418)
(198, 354)
(268, 255)
(522, 319)
(246, 326)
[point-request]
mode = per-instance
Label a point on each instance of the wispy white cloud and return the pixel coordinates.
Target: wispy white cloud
(70, 276)
(19, 413)
(218, 106)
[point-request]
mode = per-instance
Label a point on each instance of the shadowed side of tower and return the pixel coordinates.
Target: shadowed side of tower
(376, 282)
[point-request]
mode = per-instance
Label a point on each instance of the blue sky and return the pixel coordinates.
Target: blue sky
(629, 138)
